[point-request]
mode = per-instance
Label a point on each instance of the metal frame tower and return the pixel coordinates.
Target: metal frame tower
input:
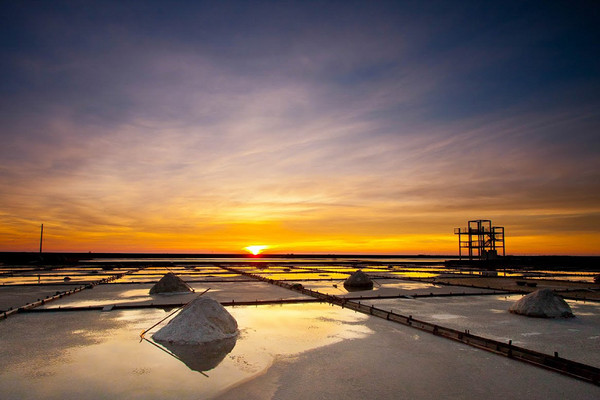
(482, 239)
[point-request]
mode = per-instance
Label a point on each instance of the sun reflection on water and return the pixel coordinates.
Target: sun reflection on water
(99, 349)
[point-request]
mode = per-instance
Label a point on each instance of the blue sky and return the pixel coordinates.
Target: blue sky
(375, 126)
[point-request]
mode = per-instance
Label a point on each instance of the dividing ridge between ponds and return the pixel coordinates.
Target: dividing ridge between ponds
(555, 363)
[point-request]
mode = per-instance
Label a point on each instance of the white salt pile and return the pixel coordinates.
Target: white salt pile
(358, 280)
(170, 283)
(202, 320)
(542, 303)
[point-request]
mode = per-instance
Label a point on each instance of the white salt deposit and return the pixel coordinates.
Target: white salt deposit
(202, 320)
(170, 283)
(358, 280)
(542, 303)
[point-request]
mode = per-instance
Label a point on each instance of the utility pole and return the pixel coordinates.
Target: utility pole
(41, 237)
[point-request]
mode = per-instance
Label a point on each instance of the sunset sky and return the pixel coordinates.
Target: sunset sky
(308, 127)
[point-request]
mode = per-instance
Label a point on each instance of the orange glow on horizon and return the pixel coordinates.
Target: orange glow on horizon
(255, 250)
(282, 239)
(195, 155)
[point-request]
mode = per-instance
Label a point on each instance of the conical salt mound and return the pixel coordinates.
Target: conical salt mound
(202, 320)
(542, 303)
(170, 283)
(358, 280)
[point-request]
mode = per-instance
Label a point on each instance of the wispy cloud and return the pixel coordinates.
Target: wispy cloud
(365, 125)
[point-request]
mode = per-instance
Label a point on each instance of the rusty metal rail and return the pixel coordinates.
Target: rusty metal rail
(555, 363)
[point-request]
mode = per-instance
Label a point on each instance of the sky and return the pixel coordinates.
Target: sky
(305, 126)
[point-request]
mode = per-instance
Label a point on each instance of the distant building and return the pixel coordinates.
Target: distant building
(480, 239)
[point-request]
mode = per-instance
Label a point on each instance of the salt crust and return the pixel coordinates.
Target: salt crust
(542, 303)
(202, 320)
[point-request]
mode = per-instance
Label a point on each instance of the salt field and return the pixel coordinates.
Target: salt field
(290, 345)
(281, 200)
(574, 338)
(44, 354)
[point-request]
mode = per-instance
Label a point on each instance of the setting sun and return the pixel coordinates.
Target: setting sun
(255, 250)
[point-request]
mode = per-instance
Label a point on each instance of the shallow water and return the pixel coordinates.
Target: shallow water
(97, 355)
(575, 338)
(117, 293)
(380, 287)
(266, 258)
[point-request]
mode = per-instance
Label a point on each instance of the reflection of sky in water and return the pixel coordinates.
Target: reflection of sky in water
(103, 295)
(278, 270)
(102, 354)
(307, 275)
(412, 274)
(56, 275)
(136, 294)
(101, 298)
(156, 278)
(379, 286)
(265, 258)
(574, 338)
(45, 279)
(292, 329)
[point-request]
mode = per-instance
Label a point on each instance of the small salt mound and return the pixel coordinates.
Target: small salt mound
(202, 320)
(170, 283)
(542, 303)
(358, 280)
